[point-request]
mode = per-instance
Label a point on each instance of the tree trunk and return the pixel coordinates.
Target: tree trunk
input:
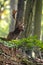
(20, 11)
(20, 14)
(13, 5)
(28, 17)
(37, 20)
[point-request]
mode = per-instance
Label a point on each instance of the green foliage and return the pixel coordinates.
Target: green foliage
(29, 42)
(4, 17)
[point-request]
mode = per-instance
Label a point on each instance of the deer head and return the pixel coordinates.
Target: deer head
(21, 26)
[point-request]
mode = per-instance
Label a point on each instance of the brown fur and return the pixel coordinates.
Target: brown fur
(15, 33)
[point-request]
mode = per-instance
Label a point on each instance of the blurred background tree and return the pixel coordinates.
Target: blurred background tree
(4, 17)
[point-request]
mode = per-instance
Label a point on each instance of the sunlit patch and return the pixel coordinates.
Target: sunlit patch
(42, 11)
(2, 16)
(4, 24)
(33, 54)
(6, 3)
(42, 23)
(6, 12)
(1, 0)
(8, 6)
(2, 8)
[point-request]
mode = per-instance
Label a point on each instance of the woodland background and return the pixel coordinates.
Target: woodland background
(29, 12)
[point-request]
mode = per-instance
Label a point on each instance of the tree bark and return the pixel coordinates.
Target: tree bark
(20, 14)
(13, 5)
(37, 20)
(20, 11)
(28, 17)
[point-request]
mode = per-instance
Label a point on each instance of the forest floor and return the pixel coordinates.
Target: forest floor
(13, 56)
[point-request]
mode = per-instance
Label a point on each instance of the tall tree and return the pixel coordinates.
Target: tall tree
(37, 20)
(20, 11)
(13, 6)
(28, 17)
